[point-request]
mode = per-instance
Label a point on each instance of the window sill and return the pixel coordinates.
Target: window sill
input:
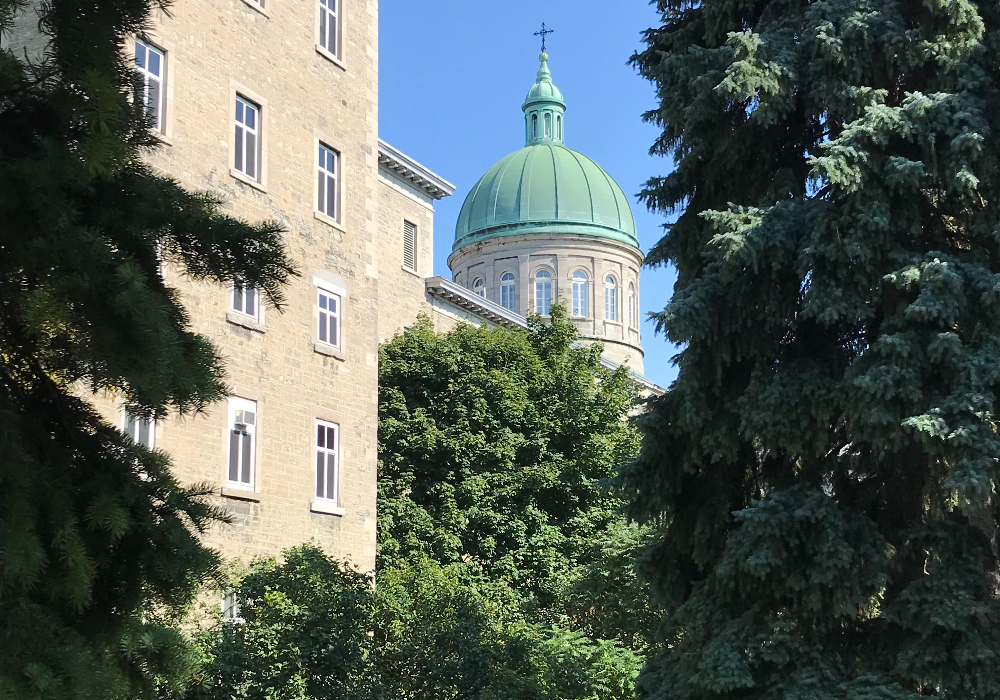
(244, 178)
(318, 505)
(238, 319)
(240, 494)
(411, 271)
(329, 220)
(613, 323)
(329, 56)
(258, 7)
(161, 137)
(329, 350)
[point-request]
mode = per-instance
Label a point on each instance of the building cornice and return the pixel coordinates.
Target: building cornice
(412, 172)
(468, 300)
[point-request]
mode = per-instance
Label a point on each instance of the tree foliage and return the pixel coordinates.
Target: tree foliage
(98, 543)
(505, 568)
(312, 628)
(825, 465)
(496, 449)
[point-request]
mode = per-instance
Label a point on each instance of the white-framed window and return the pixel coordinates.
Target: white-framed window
(328, 173)
(610, 299)
(151, 64)
(242, 443)
(508, 291)
(140, 430)
(329, 25)
(245, 300)
(231, 608)
(409, 245)
(581, 294)
(548, 124)
(479, 286)
(632, 310)
(328, 329)
(543, 292)
(247, 130)
(327, 461)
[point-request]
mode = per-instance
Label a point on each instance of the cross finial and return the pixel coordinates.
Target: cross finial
(543, 33)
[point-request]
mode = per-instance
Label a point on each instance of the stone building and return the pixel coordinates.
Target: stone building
(273, 106)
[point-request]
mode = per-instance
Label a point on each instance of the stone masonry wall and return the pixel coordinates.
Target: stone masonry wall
(216, 48)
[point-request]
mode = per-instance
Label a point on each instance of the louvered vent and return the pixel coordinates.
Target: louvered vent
(409, 245)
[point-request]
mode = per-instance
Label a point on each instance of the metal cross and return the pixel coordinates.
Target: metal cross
(543, 33)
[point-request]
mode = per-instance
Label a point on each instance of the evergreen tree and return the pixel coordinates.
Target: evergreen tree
(98, 543)
(825, 465)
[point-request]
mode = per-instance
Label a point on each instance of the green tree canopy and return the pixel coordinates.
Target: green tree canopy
(825, 464)
(312, 629)
(97, 540)
(496, 449)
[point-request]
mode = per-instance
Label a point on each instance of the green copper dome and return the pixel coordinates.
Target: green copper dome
(545, 187)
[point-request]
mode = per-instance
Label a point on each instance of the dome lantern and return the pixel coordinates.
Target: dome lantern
(543, 108)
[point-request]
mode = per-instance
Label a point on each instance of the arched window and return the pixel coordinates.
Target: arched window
(632, 309)
(558, 126)
(479, 286)
(534, 126)
(508, 292)
(581, 294)
(543, 292)
(610, 299)
(548, 125)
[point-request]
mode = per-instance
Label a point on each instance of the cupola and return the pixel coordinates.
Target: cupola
(543, 108)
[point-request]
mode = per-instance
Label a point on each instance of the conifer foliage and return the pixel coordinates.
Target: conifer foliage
(97, 541)
(825, 465)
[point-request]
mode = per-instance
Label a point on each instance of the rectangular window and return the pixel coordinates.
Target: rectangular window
(141, 430)
(151, 64)
(242, 442)
(328, 197)
(245, 300)
(329, 318)
(231, 608)
(247, 127)
(327, 467)
(409, 246)
(329, 26)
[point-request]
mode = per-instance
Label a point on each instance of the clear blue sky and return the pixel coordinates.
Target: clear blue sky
(453, 74)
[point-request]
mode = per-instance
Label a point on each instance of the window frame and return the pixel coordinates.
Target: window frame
(580, 307)
(479, 287)
(611, 299)
(633, 314)
(508, 290)
(161, 107)
(234, 405)
(547, 125)
(257, 129)
(321, 312)
(258, 314)
(126, 415)
(317, 449)
(549, 277)
(323, 12)
(410, 240)
(326, 175)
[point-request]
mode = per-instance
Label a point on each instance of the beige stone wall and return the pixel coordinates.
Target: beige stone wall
(214, 49)
(401, 290)
(524, 255)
